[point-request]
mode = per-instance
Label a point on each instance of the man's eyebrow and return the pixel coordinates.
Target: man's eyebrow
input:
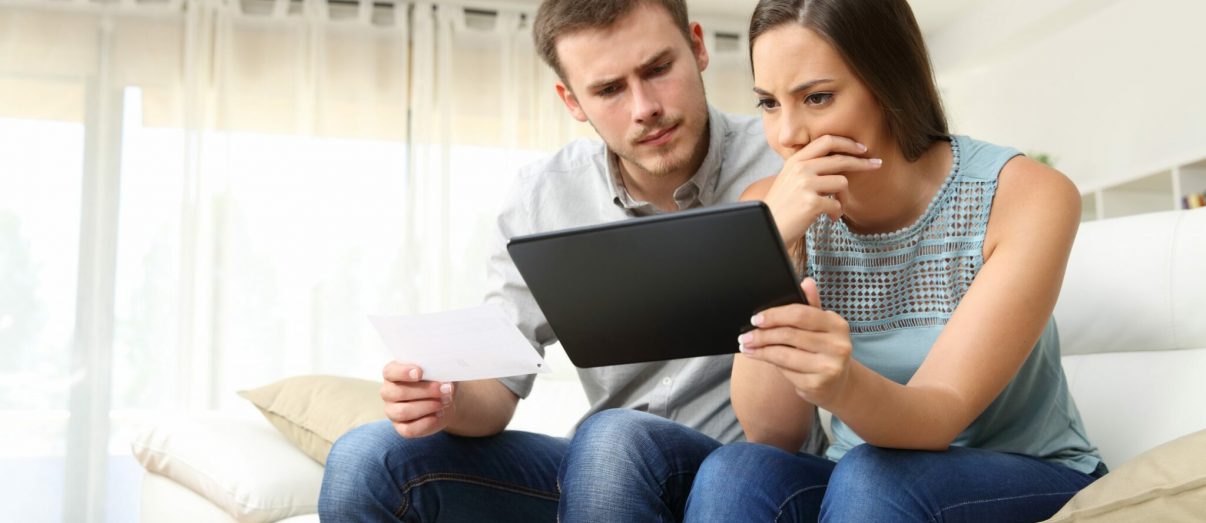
(593, 86)
(601, 84)
(665, 53)
(801, 87)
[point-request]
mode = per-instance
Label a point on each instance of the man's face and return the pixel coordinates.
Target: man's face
(638, 84)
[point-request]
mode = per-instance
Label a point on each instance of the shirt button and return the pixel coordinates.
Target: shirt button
(667, 381)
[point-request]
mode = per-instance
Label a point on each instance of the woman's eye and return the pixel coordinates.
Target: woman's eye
(818, 98)
(767, 104)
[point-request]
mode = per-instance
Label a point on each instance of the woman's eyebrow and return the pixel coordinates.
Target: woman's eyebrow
(801, 87)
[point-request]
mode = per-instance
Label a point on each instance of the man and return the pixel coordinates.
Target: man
(632, 69)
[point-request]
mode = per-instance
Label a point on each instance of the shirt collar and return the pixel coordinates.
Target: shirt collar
(698, 191)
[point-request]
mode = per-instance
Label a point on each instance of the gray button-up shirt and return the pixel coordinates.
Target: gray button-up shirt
(581, 185)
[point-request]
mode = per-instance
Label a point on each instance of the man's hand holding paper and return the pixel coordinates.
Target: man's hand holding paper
(432, 351)
(417, 407)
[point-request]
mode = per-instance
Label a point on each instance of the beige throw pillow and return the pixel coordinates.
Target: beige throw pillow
(1167, 483)
(314, 411)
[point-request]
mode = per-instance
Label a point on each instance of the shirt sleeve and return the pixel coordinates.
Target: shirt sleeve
(506, 287)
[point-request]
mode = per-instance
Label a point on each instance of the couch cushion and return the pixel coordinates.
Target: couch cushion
(240, 464)
(1114, 299)
(1133, 401)
(314, 411)
(1135, 284)
(1167, 483)
(1189, 280)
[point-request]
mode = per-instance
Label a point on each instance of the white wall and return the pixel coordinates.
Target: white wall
(1112, 89)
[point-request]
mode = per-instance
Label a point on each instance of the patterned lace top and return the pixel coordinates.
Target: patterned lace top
(911, 277)
(897, 290)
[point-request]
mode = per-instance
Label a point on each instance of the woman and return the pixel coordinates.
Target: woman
(935, 262)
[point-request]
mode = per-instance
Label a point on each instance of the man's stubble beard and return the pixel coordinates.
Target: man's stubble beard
(664, 163)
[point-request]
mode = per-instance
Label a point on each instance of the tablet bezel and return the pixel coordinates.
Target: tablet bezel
(619, 243)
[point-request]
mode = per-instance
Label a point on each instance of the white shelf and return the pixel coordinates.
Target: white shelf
(1192, 178)
(1088, 206)
(1154, 192)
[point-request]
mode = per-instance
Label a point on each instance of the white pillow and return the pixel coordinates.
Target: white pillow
(241, 464)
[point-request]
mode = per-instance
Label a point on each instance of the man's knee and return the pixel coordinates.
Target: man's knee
(621, 445)
(618, 436)
(362, 448)
(733, 462)
(373, 455)
(618, 428)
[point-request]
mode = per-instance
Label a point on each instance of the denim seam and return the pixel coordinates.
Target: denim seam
(793, 495)
(935, 516)
(662, 485)
(463, 478)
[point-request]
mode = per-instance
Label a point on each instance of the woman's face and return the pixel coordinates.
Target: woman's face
(805, 91)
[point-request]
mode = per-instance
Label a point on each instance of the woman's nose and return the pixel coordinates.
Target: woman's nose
(793, 134)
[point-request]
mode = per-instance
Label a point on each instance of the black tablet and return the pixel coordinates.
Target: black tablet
(677, 285)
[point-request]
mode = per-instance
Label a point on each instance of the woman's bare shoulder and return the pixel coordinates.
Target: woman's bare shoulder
(1032, 198)
(1030, 187)
(758, 189)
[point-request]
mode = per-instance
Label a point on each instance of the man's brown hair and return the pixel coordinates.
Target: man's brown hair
(557, 18)
(881, 42)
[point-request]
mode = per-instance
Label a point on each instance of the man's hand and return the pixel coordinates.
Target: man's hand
(417, 408)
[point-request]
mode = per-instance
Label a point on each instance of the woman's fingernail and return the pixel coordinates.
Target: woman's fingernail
(446, 388)
(756, 320)
(745, 338)
(862, 147)
(744, 349)
(876, 162)
(414, 374)
(440, 413)
(446, 399)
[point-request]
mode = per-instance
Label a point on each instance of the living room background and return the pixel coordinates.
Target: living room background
(202, 196)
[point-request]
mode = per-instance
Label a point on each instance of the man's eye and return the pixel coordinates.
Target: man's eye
(818, 98)
(660, 69)
(608, 91)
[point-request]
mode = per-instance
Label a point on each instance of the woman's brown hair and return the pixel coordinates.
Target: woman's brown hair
(881, 42)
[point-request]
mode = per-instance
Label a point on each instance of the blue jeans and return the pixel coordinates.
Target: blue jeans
(374, 474)
(630, 466)
(751, 482)
(621, 465)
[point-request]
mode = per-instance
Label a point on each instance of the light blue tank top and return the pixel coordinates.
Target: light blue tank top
(897, 291)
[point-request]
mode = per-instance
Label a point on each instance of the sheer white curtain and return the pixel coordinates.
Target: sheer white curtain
(200, 196)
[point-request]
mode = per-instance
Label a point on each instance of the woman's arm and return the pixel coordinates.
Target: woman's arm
(989, 336)
(766, 404)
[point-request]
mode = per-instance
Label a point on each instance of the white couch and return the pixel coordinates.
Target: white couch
(1132, 320)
